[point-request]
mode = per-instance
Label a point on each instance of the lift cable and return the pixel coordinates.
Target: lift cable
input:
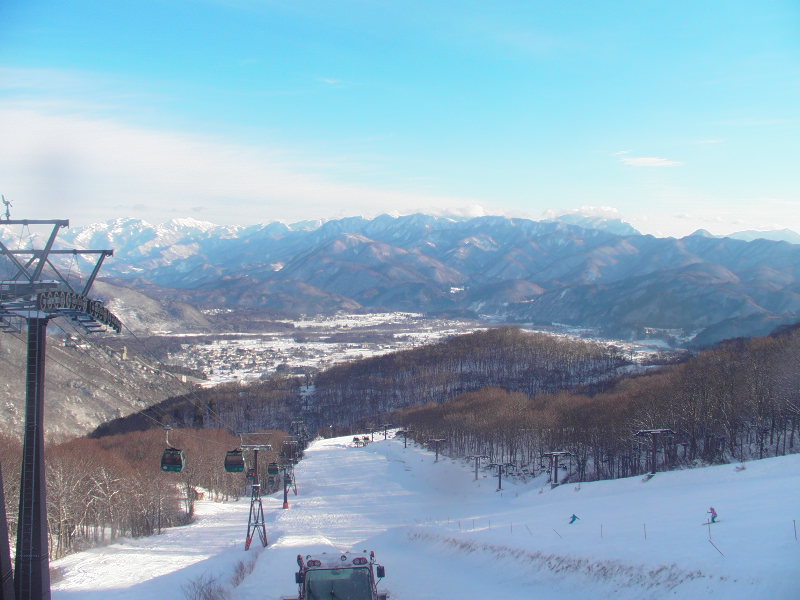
(122, 398)
(80, 376)
(191, 395)
(139, 410)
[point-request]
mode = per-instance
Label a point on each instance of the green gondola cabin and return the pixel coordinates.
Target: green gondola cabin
(173, 460)
(234, 461)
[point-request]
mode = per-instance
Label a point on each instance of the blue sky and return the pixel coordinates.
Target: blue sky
(672, 115)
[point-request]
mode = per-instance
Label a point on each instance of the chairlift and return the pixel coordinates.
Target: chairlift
(173, 460)
(273, 468)
(234, 461)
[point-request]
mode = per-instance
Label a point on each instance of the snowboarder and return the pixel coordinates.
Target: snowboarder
(713, 514)
(573, 518)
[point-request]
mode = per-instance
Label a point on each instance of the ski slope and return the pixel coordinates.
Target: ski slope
(442, 535)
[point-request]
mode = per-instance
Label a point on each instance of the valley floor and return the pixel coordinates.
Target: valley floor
(442, 535)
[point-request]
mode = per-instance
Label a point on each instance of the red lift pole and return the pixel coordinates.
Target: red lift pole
(290, 449)
(286, 480)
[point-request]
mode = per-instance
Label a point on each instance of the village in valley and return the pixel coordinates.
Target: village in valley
(310, 344)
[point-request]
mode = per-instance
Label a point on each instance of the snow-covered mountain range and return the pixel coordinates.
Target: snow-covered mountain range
(589, 272)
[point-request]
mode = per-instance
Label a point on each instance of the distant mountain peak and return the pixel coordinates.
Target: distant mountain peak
(308, 225)
(190, 223)
(602, 218)
(775, 235)
(750, 235)
(702, 233)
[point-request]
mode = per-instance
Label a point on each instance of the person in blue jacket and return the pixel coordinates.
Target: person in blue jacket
(573, 518)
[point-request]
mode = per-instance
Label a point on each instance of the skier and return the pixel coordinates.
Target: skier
(713, 514)
(573, 518)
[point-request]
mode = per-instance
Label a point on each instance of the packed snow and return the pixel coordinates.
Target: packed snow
(444, 535)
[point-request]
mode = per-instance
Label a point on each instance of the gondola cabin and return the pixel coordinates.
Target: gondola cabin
(234, 461)
(173, 460)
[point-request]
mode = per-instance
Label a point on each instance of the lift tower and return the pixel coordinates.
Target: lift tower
(654, 435)
(554, 455)
(255, 522)
(30, 297)
(6, 572)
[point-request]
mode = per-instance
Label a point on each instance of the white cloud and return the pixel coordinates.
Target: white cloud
(649, 161)
(85, 169)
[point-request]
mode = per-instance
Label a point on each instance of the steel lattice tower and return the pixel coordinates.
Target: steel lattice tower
(27, 296)
(256, 522)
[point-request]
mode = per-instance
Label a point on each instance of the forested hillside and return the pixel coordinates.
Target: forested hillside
(354, 392)
(738, 401)
(513, 396)
(526, 362)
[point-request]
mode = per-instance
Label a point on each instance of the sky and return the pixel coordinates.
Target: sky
(673, 116)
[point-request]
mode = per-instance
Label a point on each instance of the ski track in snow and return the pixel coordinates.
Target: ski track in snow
(443, 535)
